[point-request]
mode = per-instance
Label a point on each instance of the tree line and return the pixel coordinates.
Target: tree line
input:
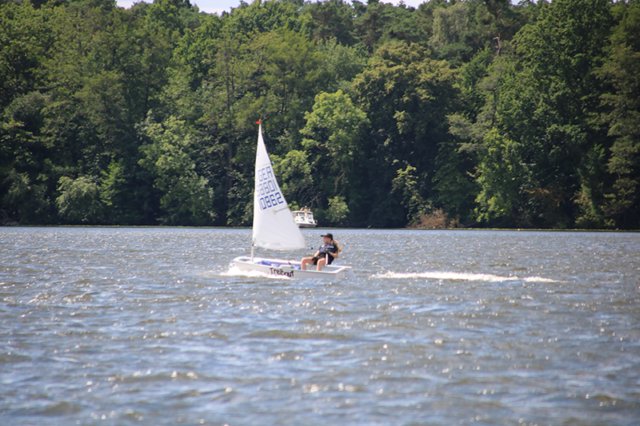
(455, 113)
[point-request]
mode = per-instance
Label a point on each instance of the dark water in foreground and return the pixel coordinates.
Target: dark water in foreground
(124, 326)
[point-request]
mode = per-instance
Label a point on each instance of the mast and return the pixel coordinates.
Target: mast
(253, 242)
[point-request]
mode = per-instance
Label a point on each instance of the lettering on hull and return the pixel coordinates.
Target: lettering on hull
(280, 272)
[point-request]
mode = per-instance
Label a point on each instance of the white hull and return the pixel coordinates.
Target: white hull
(306, 225)
(287, 269)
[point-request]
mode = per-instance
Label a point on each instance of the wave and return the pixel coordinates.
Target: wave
(539, 280)
(461, 276)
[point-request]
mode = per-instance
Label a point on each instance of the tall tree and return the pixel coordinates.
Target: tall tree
(332, 141)
(184, 195)
(621, 70)
(545, 104)
(406, 96)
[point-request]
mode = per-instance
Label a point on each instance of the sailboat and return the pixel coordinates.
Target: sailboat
(274, 227)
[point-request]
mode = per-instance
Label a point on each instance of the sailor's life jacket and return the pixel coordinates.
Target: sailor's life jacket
(332, 247)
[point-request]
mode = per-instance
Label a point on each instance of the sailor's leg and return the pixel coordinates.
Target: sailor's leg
(304, 262)
(321, 263)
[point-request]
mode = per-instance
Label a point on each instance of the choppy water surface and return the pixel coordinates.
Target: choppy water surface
(124, 326)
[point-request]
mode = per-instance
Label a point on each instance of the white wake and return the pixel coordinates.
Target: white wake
(461, 276)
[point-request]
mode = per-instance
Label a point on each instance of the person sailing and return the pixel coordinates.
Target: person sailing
(326, 254)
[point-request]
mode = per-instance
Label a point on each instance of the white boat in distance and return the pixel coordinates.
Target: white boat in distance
(274, 227)
(304, 218)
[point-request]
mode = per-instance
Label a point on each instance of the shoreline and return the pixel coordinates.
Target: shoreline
(204, 227)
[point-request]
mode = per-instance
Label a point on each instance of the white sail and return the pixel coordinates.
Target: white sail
(273, 224)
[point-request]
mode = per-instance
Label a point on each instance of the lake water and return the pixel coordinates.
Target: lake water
(149, 325)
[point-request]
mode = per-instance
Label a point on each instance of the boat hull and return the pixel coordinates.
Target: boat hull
(287, 269)
(306, 225)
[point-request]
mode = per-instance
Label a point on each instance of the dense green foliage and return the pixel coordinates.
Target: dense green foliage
(481, 112)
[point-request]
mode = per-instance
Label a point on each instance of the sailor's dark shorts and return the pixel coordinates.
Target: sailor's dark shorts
(322, 256)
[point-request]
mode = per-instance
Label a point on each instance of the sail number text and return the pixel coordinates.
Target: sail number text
(268, 192)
